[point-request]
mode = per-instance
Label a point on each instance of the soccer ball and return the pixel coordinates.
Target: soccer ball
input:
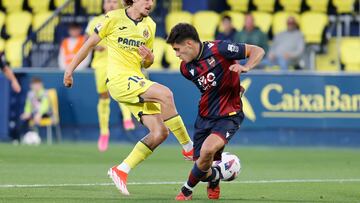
(229, 166)
(31, 138)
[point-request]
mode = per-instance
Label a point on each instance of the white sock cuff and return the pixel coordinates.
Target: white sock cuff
(188, 187)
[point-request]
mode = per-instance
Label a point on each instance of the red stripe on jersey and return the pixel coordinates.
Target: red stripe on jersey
(184, 71)
(204, 104)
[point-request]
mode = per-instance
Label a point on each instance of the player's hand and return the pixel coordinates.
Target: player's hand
(146, 54)
(68, 79)
(237, 68)
(25, 116)
(16, 86)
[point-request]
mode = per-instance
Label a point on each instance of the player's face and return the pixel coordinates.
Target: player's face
(143, 6)
(110, 5)
(185, 50)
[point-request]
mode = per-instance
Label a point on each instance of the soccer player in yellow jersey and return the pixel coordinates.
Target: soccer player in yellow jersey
(129, 35)
(99, 64)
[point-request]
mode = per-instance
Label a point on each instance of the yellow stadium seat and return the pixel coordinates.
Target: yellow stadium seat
(206, 23)
(12, 5)
(13, 52)
(47, 33)
(329, 60)
(92, 7)
(350, 52)
(18, 23)
(238, 5)
(291, 5)
(171, 59)
(2, 45)
(280, 19)
(237, 19)
(344, 6)
(265, 5)
(2, 20)
(312, 25)
(176, 17)
(263, 20)
(318, 5)
(70, 9)
(39, 5)
(159, 51)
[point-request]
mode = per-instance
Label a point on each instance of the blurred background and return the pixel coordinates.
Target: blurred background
(306, 91)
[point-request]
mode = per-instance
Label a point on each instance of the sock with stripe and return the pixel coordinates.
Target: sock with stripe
(196, 175)
(177, 127)
(139, 153)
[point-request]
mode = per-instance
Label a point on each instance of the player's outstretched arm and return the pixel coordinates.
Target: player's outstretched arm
(10, 75)
(79, 57)
(254, 55)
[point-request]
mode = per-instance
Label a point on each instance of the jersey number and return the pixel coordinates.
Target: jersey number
(135, 79)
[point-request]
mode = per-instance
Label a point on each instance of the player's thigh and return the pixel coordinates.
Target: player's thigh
(100, 80)
(212, 144)
(157, 93)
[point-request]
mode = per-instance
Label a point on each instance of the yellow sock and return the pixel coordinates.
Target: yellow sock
(137, 155)
(126, 113)
(177, 127)
(103, 108)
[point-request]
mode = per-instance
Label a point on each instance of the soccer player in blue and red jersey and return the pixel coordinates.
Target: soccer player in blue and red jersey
(212, 67)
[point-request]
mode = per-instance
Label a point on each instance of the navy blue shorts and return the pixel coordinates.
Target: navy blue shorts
(224, 127)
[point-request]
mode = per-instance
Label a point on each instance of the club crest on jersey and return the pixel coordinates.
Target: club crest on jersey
(211, 61)
(146, 33)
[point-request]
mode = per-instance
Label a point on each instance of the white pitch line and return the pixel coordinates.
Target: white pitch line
(177, 183)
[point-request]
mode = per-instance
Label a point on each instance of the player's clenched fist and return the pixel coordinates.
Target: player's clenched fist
(68, 79)
(146, 55)
(238, 68)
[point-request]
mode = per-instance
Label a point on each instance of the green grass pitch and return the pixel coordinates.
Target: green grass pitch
(77, 173)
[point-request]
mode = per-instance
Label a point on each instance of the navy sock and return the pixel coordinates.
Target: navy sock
(195, 176)
(212, 177)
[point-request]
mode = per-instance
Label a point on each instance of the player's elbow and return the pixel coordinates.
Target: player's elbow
(257, 51)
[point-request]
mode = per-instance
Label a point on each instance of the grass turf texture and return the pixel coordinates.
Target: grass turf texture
(82, 164)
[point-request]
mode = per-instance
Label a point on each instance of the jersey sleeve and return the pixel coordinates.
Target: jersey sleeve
(104, 26)
(232, 51)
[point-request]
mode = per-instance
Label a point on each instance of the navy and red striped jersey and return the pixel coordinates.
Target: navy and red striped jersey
(219, 87)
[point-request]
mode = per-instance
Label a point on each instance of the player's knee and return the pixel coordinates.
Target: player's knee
(168, 96)
(207, 153)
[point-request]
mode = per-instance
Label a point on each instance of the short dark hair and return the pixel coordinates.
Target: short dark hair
(35, 80)
(226, 17)
(182, 31)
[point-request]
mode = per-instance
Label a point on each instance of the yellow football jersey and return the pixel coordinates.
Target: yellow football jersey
(123, 38)
(100, 57)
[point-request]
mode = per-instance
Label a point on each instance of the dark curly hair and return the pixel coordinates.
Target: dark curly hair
(181, 32)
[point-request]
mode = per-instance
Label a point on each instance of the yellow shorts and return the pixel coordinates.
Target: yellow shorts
(100, 79)
(127, 89)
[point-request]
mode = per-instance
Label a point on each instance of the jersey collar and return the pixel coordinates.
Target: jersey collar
(201, 51)
(135, 21)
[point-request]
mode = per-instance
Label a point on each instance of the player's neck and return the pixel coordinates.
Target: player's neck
(133, 14)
